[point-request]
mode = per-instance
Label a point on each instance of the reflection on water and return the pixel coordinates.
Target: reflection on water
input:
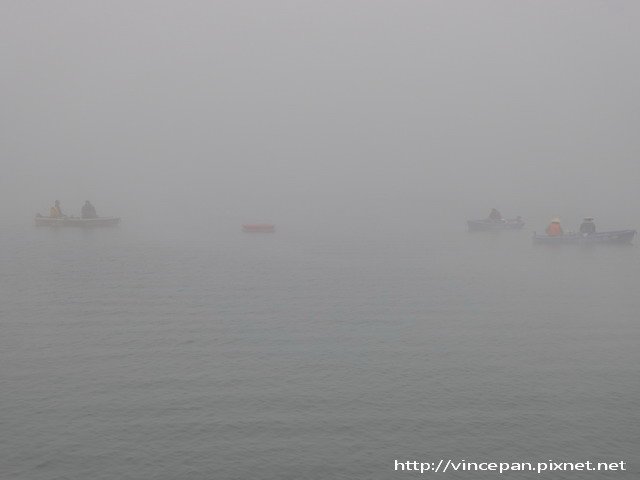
(298, 356)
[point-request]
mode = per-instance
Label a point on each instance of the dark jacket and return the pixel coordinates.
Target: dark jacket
(88, 211)
(588, 227)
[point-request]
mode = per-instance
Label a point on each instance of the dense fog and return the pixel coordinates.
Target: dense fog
(368, 327)
(331, 113)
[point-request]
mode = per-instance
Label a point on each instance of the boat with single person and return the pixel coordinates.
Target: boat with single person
(612, 237)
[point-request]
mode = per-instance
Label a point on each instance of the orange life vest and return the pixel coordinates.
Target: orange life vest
(554, 229)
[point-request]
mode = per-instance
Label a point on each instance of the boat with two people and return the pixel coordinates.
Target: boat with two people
(87, 218)
(587, 235)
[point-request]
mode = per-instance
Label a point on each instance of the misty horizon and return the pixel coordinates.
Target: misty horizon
(319, 111)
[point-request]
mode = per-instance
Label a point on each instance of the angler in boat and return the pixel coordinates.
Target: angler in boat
(587, 227)
(56, 210)
(495, 215)
(554, 229)
(495, 222)
(88, 210)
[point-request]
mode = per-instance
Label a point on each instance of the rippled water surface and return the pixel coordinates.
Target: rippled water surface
(301, 356)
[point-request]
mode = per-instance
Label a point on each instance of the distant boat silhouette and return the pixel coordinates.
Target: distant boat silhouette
(258, 228)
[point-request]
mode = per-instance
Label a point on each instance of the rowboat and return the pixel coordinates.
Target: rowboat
(259, 228)
(617, 236)
(76, 222)
(487, 225)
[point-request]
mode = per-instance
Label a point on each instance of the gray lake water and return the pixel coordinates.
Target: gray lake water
(312, 356)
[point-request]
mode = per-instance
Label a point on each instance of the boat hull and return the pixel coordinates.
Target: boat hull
(614, 237)
(259, 228)
(77, 222)
(491, 226)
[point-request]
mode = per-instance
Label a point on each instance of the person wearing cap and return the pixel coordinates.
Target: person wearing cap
(587, 227)
(88, 210)
(554, 229)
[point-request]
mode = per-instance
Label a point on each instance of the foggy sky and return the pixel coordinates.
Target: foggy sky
(308, 111)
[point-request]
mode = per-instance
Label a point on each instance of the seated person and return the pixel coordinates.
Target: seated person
(554, 229)
(88, 210)
(587, 226)
(56, 211)
(495, 215)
